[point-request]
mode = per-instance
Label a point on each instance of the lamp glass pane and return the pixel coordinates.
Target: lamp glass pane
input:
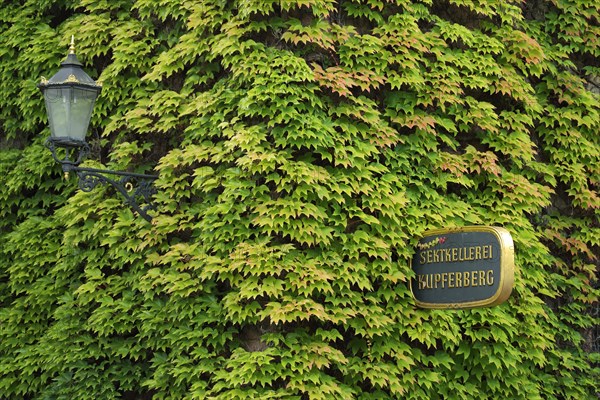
(82, 105)
(58, 107)
(69, 110)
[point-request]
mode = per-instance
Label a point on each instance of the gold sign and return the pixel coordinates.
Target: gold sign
(464, 267)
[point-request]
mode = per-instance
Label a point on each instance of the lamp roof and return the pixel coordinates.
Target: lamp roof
(70, 73)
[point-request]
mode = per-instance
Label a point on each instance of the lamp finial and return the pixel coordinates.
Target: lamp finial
(72, 46)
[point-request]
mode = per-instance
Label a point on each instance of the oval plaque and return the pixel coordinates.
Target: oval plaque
(464, 267)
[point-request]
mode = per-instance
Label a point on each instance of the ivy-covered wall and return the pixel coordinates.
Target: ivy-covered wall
(303, 147)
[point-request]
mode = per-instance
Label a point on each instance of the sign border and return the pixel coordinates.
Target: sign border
(507, 267)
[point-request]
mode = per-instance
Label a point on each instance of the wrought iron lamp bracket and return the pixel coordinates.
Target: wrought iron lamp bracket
(70, 160)
(137, 189)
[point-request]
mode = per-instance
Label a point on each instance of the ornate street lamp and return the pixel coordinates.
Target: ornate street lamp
(70, 96)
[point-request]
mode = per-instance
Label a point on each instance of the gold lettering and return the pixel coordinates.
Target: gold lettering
(453, 280)
(457, 254)
(448, 253)
(490, 277)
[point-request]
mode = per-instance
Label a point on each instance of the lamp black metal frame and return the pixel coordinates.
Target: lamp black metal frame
(137, 189)
(63, 104)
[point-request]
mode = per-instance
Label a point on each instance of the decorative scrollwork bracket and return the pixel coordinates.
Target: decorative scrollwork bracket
(137, 189)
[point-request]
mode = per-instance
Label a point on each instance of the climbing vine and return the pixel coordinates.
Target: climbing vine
(303, 147)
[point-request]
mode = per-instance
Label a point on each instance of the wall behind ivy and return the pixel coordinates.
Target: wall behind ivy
(303, 147)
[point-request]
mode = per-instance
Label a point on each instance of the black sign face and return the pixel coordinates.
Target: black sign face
(464, 267)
